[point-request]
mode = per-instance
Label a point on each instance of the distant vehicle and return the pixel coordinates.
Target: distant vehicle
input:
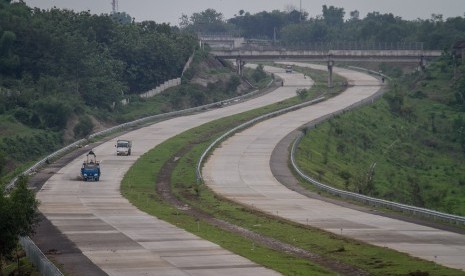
(123, 147)
(90, 169)
(288, 68)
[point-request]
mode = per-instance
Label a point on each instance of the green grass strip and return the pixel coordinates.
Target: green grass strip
(138, 187)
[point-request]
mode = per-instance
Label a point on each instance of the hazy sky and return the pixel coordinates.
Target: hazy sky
(169, 11)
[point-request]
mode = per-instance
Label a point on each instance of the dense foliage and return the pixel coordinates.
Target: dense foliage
(58, 66)
(293, 27)
(18, 216)
(92, 59)
(409, 147)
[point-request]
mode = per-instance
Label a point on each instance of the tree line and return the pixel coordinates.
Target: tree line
(51, 59)
(57, 64)
(294, 27)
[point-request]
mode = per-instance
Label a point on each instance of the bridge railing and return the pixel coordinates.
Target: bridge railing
(335, 55)
(339, 45)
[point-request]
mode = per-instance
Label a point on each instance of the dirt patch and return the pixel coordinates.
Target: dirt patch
(163, 188)
(211, 70)
(68, 134)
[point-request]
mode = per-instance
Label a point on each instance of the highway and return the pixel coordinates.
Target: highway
(239, 170)
(122, 240)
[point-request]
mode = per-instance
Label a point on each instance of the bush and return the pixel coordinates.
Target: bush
(83, 128)
(233, 83)
(302, 93)
(258, 74)
(22, 115)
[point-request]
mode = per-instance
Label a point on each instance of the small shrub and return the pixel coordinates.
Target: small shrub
(84, 127)
(302, 93)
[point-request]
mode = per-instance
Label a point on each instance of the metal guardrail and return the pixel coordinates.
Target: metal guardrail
(128, 125)
(417, 211)
(371, 200)
(244, 126)
(341, 45)
(336, 55)
(36, 256)
(370, 71)
(46, 160)
(344, 194)
(165, 116)
(267, 116)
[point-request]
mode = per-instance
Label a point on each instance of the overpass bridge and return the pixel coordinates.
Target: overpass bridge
(228, 46)
(241, 55)
(326, 55)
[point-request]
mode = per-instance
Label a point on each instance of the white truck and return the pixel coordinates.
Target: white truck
(288, 68)
(123, 147)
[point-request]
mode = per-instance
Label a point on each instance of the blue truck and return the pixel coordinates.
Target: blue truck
(90, 170)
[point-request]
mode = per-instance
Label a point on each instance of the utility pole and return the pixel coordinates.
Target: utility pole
(330, 71)
(114, 6)
(274, 35)
(300, 12)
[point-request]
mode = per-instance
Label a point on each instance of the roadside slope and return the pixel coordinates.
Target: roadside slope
(119, 238)
(240, 170)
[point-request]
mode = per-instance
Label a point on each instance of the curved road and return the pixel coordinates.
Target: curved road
(240, 170)
(122, 240)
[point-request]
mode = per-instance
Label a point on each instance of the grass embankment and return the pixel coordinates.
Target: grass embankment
(405, 148)
(24, 140)
(139, 187)
(25, 267)
(223, 85)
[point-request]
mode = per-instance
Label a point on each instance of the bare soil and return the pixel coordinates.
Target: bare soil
(163, 188)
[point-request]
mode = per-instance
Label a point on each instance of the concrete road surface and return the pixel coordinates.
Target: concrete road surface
(118, 237)
(240, 170)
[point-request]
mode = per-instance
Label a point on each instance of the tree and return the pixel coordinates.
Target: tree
(3, 162)
(395, 99)
(354, 15)
(84, 127)
(333, 16)
(296, 34)
(53, 113)
(260, 25)
(122, 17)
(8, 61)
(18, 216)
(207, 21)
(232, 84)
(258, 73)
